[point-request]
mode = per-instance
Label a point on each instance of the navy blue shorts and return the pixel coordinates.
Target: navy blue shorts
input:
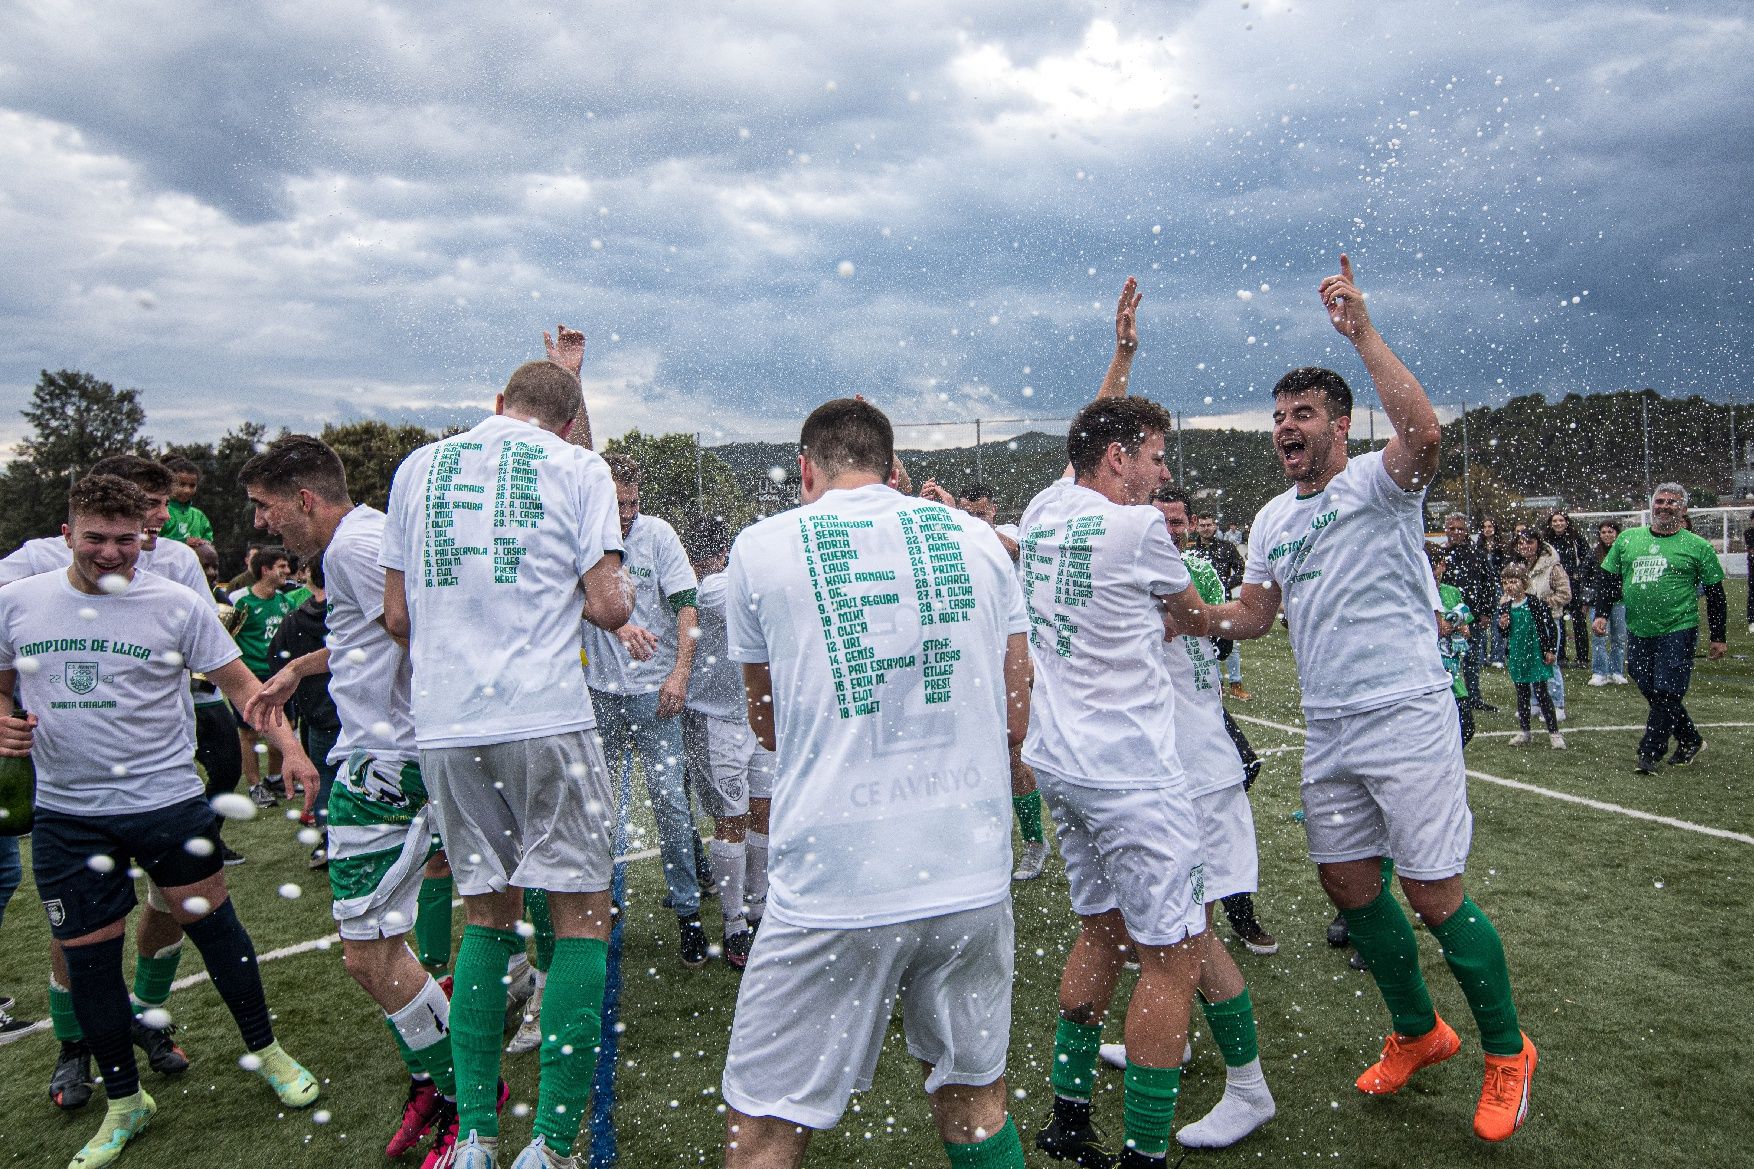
(81, 900)
(1662, 665)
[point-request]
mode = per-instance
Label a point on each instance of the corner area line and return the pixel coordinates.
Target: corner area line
(1565, 797)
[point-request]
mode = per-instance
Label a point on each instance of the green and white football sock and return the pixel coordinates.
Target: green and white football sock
(1246, 1104)
(153, 975)
(422, 1030)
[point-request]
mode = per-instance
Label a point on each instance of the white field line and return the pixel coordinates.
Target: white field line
(324, 943)
(1567, 797)
(1570, 730)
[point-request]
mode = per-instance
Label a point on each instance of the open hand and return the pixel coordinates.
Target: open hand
(569, 351)
(639, 643)
(1126, 317)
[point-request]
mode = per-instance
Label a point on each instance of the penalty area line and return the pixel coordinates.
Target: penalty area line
(1566, 797)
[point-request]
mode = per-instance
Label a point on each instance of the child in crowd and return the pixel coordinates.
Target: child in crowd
(187, 522)
(1454, 630)
(1531, 639)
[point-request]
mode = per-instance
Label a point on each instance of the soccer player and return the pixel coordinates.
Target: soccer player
(100, 656)
(1227, 560)
(638, 677)
(158, 937)
(1344, 551)
(264, 605)
(1663, 568)
(186, 523)
(731, 772)
(1104, 584)
(884, 660)
(1215, 775)
(380, 834)
(494, 542)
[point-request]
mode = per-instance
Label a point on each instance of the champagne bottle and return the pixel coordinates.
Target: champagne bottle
(18, 791)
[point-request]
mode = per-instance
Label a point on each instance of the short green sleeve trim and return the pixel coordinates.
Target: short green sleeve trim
(682, 600)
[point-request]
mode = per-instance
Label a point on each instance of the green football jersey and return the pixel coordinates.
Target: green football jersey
(262, 618)
(1661, 577)
(186, 520)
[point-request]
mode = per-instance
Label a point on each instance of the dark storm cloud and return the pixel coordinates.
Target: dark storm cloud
(352, 209)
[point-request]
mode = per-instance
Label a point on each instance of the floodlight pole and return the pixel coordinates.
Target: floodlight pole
(699, 474)
(979, 478)
(1644, 418)
(1181, 479)
(1467, 474)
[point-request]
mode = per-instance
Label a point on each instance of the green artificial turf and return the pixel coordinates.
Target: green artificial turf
(1628, 939)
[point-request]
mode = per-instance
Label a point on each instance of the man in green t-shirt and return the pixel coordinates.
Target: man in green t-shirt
(187, 521)
(263, 605)
(1663, 570)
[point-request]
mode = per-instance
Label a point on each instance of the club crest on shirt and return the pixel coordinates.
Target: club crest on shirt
(56, 911)
(81, 677)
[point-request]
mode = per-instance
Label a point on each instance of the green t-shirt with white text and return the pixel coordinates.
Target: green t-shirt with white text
(1661, 577)
(262, 618)
(186, 520)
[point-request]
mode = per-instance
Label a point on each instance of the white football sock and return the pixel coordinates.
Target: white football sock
(1245, 1106)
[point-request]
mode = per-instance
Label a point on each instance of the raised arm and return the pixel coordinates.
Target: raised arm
(566, 348)
(1120, 367)
(1411, 456)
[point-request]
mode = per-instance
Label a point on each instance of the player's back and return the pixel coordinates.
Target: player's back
(493, 530)
(884, 623)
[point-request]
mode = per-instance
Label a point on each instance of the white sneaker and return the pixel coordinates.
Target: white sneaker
(1556, 741)
(1520, 739)
(1621, 679)
(1598, 679)
(1031, 860)
(1498, 665)
(529, 1036)
(1559, 713)
(475, 1153)
(539, 1156)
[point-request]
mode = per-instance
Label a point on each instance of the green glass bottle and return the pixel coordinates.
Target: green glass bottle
(18, 791)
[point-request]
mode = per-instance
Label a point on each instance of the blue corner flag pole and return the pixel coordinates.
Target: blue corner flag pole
(604, 1152)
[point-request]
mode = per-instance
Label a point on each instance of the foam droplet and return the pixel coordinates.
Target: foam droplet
(291, 892)
(88, 614)
(156, 1017)
(199, 906)
(113, 583)
(234, 806)
(101, 863)
(250, 1061)
(845, 269)
(198, 846)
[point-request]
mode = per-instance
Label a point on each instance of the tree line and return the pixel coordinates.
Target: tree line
(1587, 449)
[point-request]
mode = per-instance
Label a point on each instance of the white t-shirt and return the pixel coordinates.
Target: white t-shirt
(108, 679)
(368, 672)
(1350, 564)
(1102, 711)
(1209, 758)
(493, 530)
(884, 620)
(659, 567)
(170, 559)
(715, 687)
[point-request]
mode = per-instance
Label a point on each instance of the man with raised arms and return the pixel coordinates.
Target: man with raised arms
(1344, 551)
(380, 833)
(883, 655)
(100, 655)
(494, 542)
(1104, 584)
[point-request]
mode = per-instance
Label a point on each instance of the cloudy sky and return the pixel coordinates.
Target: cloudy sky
(297, 213)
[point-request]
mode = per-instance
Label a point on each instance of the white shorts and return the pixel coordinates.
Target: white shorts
(815, 1005)
(1227, 842)
(726, 766)
(1136, 850)
(1389, 782)
(530, 814)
